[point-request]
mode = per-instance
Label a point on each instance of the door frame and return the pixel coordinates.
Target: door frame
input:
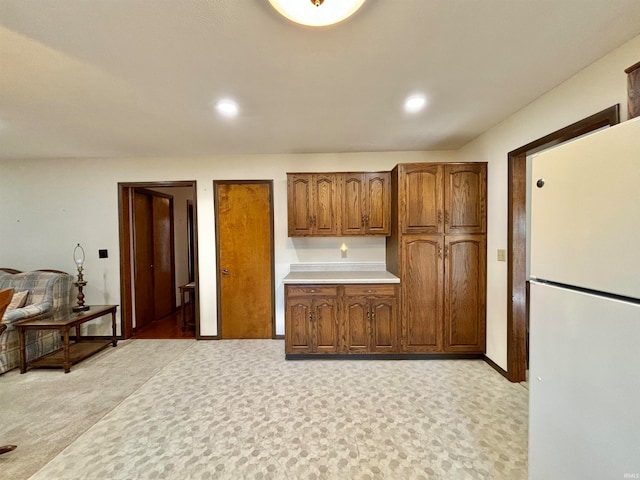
(216, 183)
(517, 233)
(125, 192)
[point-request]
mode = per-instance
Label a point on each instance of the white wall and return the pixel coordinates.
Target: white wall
(595, 88)
(47, 206)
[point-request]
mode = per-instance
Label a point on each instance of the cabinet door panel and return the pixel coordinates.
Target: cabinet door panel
(465, 293)
(465, 194)
(325, 220)
(384, 325)
(299, 204)
(421, 199)
(298, 326)
(422, 293)
(378, 203)
(356, 323)
(325, 319)
(353, 204)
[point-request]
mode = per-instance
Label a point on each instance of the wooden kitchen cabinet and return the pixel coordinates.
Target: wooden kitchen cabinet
(420, 197)
(444, 293)
(369, 319)
(464, 293)
(313, 204)
(442, 198)
(311, 319)
(465, 196)
(341, 319)
(366, 200)
(422, 293)
(335, 204)
(437, 247)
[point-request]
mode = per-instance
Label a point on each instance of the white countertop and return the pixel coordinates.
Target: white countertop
(341, 277)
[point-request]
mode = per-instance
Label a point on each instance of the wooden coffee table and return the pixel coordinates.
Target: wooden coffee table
(72, 353)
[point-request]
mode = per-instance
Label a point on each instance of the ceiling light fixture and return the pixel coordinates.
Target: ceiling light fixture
(316, 13)
(415, 103)
(227, 108)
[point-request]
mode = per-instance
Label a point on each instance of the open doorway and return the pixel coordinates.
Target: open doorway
(158, 256)
(517, 295)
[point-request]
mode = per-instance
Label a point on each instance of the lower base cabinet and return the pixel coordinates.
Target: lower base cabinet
(311, 319)
(346, 319)
(370, 319)
(443, 293)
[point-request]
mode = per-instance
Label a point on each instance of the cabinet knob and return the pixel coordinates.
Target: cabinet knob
(540, 183)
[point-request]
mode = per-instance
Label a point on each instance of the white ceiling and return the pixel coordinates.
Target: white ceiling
(129, 78)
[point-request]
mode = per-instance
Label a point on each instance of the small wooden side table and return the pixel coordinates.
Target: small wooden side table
(187, 290)
(68, 354)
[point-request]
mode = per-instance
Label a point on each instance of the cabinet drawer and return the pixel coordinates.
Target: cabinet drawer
(360, 290)
(312, 290)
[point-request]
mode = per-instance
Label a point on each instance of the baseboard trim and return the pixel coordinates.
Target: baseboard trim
(384, 356)
(496, 367)
(94, 337)
(217, 337)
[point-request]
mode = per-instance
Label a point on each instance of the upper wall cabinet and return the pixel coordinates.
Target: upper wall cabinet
(334, 204)
(366, 199)
(465, 193)
(442, 198)
(420, 197)
(313, 207)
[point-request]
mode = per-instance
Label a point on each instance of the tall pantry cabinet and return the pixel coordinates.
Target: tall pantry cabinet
(438, 249)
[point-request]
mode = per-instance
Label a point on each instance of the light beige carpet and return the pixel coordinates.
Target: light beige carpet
(43, 411)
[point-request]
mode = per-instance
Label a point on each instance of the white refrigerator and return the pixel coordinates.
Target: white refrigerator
(584, 370)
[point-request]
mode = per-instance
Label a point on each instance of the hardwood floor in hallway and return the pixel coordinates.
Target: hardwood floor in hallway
(169, 327)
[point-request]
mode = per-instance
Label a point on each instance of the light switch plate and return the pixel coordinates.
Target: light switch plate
(502, 255)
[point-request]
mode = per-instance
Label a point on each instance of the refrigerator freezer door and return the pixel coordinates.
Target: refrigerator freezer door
(585, 219)
(584, 393)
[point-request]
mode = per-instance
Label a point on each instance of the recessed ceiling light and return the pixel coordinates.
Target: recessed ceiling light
(415, 103)
(227, 108)
(316, 13)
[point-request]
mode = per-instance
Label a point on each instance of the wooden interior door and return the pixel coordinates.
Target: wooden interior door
(143, 259)
(244, 226)
(163, 276)
(154, 278)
